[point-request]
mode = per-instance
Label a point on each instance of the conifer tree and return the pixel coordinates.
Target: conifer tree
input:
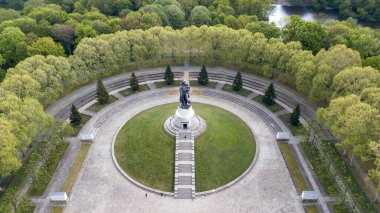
(101, 93)
(295, 116)
(203, 76)
(75, 117)
(238, 83)
(169, 76)
(134, 83)
(269, 95)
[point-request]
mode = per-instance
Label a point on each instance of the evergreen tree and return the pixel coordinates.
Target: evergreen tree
(169, 76)
(295, 116)
(269, 95)
(238, 83)
(101, 93)
(75, 117)
(134, 82)
(203, 76)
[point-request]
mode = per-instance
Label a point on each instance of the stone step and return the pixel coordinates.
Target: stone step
(184, 146)
(185, 180)
(184, 135)
(185, 168)
(184, 193)
(184, 157)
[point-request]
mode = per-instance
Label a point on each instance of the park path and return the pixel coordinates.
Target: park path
(184, 177)
(60, 104)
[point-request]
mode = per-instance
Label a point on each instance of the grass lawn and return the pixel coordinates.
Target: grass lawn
(96, 107)
(56, 210)
(311, 209)
(296, 130)
(83, 121)
(161, 84)
(274, 108)
(75, 168)
(210, 84)
(145, 151)
(224, 151)
(147, 155)
(129, 91)
(243, 92)
(293, 167)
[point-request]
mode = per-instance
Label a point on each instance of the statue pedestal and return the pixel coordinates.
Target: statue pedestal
(185, 119)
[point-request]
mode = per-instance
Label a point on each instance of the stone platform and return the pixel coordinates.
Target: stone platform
(185, 119)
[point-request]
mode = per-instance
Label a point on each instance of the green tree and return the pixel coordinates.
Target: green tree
(354, 81)
(75, 117)
(134, 83)
(295, 116)
(101, 93)
(83, 31)
(10, 202)
(269, 95)
(200, 15)
(45, 46)
(203, 76)
(12, 46)
(22, 86)
(238, 82)
(175, 16)
(371, 96)
(8, 14)
(169, 76)
(8, 149)
(65, 34)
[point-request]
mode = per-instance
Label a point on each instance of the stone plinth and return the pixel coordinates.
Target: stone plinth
(185, 119)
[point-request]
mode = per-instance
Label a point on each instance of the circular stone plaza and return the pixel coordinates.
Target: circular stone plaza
(109, 182)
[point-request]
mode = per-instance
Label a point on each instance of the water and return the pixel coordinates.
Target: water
(279, 15)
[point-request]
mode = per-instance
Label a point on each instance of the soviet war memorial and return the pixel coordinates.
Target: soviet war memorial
(189, 106)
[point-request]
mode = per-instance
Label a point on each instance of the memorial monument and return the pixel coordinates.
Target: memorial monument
(185, 117)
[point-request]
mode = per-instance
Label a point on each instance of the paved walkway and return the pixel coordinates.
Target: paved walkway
(184, 177)
(101, 188)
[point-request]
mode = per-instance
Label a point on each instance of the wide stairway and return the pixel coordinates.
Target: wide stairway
(184, 179)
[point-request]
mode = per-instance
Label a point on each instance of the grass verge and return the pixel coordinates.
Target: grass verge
(210, 84)
(274, 108)
(56, 210)
(45, 174)
(243, 92)
(129, 91)
(161, 84)
(294, 170)
(75, 168)
(296, 130)
(311, 209)
(96, 107)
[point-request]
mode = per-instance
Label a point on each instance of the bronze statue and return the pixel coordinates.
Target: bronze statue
(184, 97)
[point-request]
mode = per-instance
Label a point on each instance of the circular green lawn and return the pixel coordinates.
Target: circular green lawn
(222, 153)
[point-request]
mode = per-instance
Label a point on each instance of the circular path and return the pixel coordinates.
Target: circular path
(100, 187)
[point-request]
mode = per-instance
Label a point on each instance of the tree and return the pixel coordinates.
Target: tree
(200, 15)
(134, 83)
(374, 154)
(371, 96)
(295, 116)
(75, 117)
(83, 31)
(45, 46)
(175, 16)
(101, 93)
(269, 95)
(8, 149)
(169, 76)
(238, 83)
(22, 86)
(203, 76)
(65, 34)
(12, 46)
(10, 202)
(354, 81)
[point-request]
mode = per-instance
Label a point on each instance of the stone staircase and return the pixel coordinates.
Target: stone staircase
(184, 179)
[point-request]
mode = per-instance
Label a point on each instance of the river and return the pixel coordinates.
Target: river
(279, 13)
